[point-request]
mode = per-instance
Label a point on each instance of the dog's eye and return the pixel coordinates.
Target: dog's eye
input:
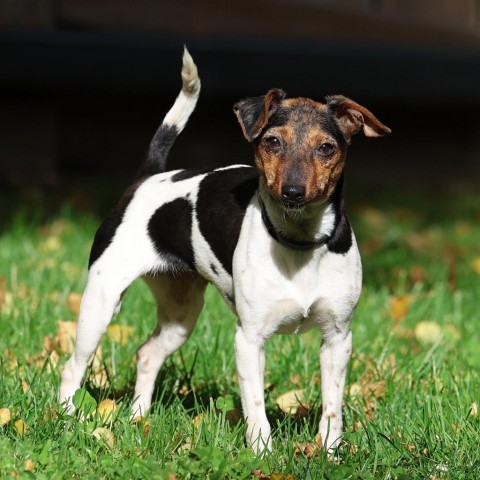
(326, 149)
(272, 143)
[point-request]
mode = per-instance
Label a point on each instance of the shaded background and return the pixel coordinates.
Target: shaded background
(85, 83)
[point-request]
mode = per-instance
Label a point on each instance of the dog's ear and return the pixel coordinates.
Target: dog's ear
(352, 118)
(253, 113)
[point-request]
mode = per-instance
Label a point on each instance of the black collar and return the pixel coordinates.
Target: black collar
(284, 239)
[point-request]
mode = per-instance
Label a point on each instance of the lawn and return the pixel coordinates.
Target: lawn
(411, 402)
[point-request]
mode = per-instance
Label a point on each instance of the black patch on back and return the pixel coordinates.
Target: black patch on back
(221, 203)
(186, 174)
(106, 231)
(341, 238)
(170, 229)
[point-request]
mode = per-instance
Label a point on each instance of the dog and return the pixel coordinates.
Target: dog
(275, 241)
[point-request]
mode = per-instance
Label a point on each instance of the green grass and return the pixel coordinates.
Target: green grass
(408, 406)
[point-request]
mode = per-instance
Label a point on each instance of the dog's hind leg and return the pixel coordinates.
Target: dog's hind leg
(179, 303)
(99, 303)
(109, 276)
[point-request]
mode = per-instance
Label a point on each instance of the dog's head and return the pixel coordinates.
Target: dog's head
(300, 145)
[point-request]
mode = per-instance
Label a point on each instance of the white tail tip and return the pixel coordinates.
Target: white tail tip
(190, 78)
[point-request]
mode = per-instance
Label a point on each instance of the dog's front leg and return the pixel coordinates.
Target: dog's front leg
(334, 357)
(250, 359)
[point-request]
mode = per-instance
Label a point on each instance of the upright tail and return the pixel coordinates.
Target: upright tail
(175, 120)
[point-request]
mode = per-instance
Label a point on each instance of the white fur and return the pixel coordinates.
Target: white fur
(278, 290)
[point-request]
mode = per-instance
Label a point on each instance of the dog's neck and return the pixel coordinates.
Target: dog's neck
(301, 229)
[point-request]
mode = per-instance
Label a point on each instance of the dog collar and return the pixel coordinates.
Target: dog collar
(285, 240)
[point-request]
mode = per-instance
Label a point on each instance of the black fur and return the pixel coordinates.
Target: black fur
(340, 240)
(222, 200)
(156, 158)
(170, 229)
(186, 174)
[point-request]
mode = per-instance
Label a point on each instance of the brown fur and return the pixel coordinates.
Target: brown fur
(296, 158)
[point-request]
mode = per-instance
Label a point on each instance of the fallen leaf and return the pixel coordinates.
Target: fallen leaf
(51, 414)
(185, 447)
(73, 302)
(25, 386)
(199, 418)
(5, 416)
(259, 474)
(119, 333)
(52, 243)
(428, 332)
(20, 427)
(296, 379)
(146, 427)
(282, 476)
(399, 306)
(309, 449)
(290, 401)
(28, 466)
(474, 409)
(65, 336)
(354, 389)
(476, 265)
(417, 274)
(102, 433)
(377, 389)
(106, 408)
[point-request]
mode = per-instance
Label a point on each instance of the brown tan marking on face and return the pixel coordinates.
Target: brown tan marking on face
(289, 153)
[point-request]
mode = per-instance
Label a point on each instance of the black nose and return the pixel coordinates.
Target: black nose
(293, 193)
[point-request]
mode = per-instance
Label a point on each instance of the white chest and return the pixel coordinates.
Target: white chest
(279, 290)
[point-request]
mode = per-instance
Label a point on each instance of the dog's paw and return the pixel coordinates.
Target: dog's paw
(259, 439)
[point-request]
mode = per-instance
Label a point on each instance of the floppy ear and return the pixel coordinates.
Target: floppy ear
(352, 118)
(253, 113)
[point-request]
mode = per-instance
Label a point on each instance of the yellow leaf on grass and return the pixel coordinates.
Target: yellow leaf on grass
(106, 408)
(399, 306)
(65, 336)
(476, 265)
(25, 386)
(5, 416)
(119, 333)
(309, 449)
(428, 332)
(290, 401)
(199, 418)
(20, 427)
(28, 466)
(52, 243)
(102, 433)
(282, 476)
(368, 390)
(73, 302)
(377, 389)
(474, 409)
